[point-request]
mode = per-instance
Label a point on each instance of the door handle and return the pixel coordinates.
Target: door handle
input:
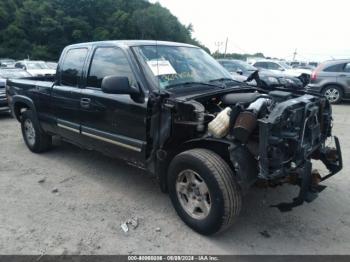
(85, 102)
(342, 75)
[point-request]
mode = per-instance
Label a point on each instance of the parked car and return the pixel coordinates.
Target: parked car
(5, 74)
(35, 68)
(7, 62)
(241, 70)
(52, 65)
(332, 79)
(172, 110)
(307, 67)
(282, 67)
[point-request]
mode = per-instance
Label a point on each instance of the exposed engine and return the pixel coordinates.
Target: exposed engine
(282, 130)
(278, 134)
(287, 129)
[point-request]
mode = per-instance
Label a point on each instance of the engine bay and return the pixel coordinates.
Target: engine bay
(282, 130)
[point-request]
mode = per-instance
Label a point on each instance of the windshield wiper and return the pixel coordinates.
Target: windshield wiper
(193, 83)
(224, 79)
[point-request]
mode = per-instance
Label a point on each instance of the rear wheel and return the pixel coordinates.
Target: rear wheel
(204, 191)
(333, 93)
(36, 140)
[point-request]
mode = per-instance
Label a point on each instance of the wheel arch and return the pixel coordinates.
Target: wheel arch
(333, 84)
(20, 103)
(220, 147)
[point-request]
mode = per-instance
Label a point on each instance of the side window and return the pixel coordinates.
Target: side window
(109, 61)
(273, 66)
(72, 66)
(347, 68)
(261, 65)
(335, 68)
(230, 66)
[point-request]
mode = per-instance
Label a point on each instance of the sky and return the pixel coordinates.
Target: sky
(318, 30)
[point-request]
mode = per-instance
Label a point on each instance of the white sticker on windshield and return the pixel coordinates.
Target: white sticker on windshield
(161, 67)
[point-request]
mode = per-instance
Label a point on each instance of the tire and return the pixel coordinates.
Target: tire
(333, 93)
(36, 140)
(223, 198)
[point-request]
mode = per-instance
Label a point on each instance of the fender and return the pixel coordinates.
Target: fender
(19, 99)
(236, 155)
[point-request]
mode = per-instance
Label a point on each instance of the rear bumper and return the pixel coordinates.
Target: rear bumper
(4, 107)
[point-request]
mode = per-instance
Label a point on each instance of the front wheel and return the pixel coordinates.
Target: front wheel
(36, 140)
(204, 191)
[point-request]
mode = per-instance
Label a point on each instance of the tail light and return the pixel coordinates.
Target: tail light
(315, 73)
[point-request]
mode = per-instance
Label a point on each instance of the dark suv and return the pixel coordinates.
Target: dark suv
(332, 78)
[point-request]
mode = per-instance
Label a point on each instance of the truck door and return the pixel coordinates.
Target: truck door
(66, 93)
(114, 124)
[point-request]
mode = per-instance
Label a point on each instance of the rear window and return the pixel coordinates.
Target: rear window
(334, 68)
(273, 66)
(72, 67)
(231, 67)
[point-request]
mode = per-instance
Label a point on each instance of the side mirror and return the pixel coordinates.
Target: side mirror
(117, 85)
(281, 68)
(239, 71)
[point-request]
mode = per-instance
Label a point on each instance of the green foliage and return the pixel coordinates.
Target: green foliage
(42, 28)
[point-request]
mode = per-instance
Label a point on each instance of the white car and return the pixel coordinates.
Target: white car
(35, 68)
(282, 67)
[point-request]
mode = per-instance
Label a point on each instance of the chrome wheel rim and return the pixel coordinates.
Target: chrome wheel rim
(193, 194)
(29, 132)
(332, 94)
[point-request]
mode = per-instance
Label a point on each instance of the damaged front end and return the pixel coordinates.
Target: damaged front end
(290, 137)
(273, 137)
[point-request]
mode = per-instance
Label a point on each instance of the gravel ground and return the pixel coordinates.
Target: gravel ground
(95, 194)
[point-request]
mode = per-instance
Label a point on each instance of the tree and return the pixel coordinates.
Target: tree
(42, 28)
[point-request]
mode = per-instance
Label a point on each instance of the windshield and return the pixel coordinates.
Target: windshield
(285, 65)
(52, 65)
(37, 65)
(176, 65)
(246, 66)
(13, 74)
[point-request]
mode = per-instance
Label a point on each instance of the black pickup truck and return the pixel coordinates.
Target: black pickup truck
(172, 110)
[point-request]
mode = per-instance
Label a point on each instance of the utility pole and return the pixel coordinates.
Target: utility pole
(295, 54)
(226, 46)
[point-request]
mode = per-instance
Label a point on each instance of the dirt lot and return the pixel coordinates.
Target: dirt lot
(95, 194)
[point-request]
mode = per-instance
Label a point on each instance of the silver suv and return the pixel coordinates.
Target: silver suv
(332, 79)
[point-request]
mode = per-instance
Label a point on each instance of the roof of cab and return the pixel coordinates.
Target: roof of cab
(130, 43)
